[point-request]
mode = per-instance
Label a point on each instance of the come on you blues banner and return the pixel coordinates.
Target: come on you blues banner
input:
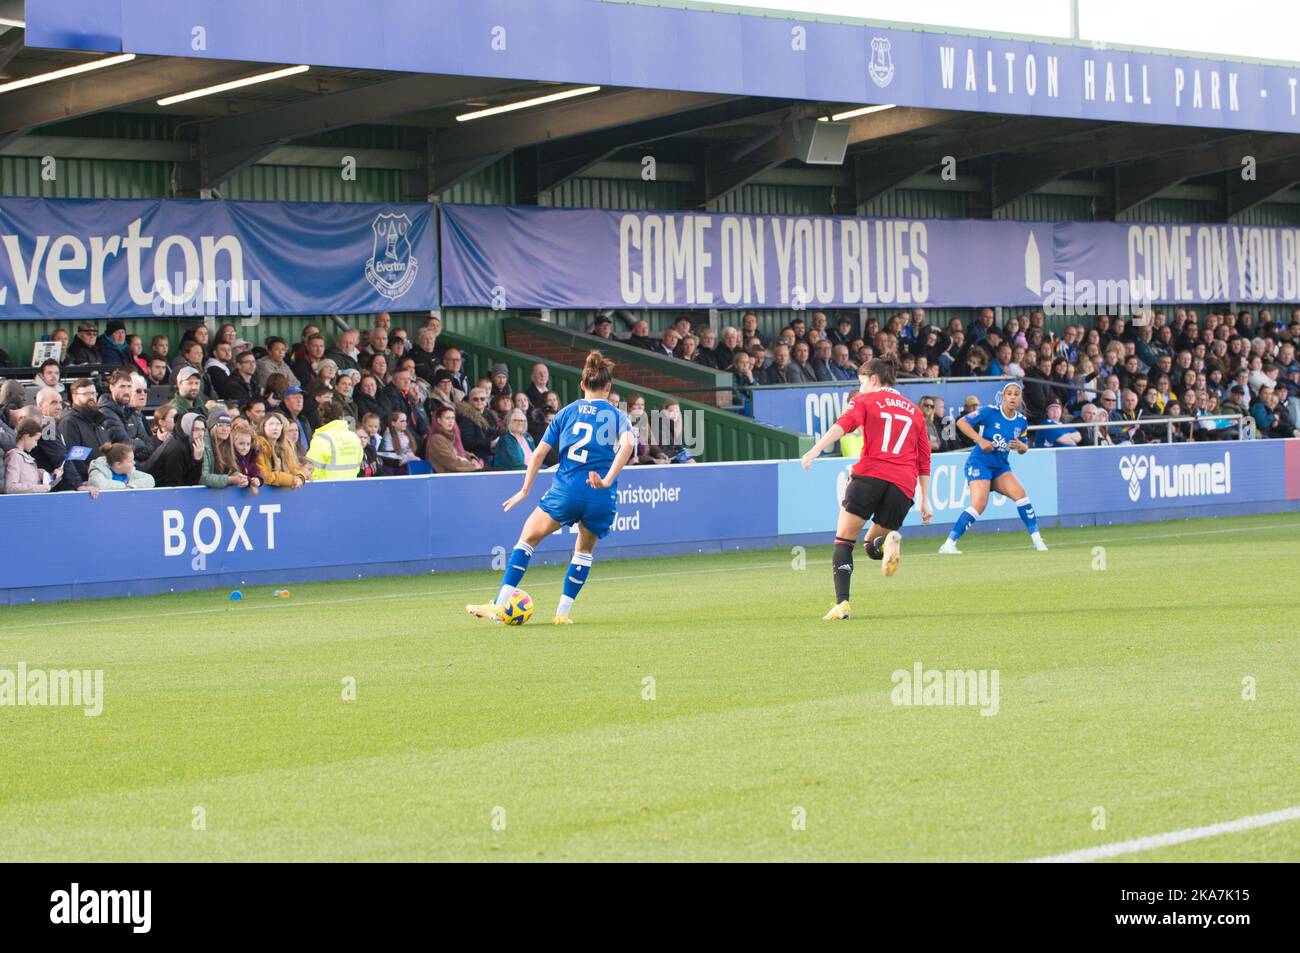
(72, 258)
(525, 257)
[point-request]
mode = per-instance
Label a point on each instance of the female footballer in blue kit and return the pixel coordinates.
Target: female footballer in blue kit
(595, 440)
(996, 429)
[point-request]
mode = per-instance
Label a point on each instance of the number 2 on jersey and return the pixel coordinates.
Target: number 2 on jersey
(889, 426)
(583, 432)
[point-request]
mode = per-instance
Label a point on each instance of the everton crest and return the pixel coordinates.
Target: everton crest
(392, 265)
(882, 66)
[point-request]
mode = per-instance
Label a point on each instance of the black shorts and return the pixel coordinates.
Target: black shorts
(880, 501)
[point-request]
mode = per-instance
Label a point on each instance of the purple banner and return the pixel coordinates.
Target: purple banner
(527, 257)
(661, 47)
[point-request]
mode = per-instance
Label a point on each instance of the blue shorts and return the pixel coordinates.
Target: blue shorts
(980, 470)
(597, 516)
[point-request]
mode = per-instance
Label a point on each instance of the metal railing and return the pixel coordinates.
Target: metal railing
(1245, 424)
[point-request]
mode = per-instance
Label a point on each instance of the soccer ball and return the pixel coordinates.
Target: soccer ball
(518, 608)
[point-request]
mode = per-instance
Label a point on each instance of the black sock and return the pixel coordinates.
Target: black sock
(842, 568)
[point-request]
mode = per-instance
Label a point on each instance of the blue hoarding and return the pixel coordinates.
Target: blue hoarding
(809, 500)
(1153, 476)
(812, 408)
(73, 258)
(200, 538)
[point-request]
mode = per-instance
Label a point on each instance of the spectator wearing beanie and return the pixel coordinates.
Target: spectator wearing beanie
(112, 346)
(179, 461)
(213, 475)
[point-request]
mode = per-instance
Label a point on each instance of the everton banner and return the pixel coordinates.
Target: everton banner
(524, 257)
(71, 258)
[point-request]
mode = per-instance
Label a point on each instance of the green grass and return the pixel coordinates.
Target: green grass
(1119, 689)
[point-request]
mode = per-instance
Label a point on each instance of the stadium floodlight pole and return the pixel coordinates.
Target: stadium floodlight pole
(65, 72)
(233, 84)
(527, 103)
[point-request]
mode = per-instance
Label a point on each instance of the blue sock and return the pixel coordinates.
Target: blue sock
(516, 566)
(573, 580)
(967, 517)
(1026, 511)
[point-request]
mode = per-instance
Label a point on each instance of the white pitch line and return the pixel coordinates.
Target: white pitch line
(647, 575)
(1137, 845)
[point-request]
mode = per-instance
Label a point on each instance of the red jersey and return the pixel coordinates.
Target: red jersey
(895, 442)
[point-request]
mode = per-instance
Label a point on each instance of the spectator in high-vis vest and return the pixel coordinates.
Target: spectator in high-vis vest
(335, 452)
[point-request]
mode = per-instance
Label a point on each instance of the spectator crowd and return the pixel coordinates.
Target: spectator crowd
(1132, 374)
(217, 410)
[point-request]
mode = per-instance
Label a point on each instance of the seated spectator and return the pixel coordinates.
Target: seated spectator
(1056, 436)
(48, 375)
(1271, 419)
(326, 371)
(321, 394)
(671, 432)
(218, 368)
(478, 434)
(21, 473)
(164, 423)
(239, 455)
(1149, 409)
(502, 405)
(707, 352)
(346, 353)
(602, 327)
(801, 365)
(640, 336)
(376, 365)
(240, 386)
(160, 347)
(539, 383)
(1092, 436)
(314, 350)
(454, 361)
(344, 388)
(179, 461)
(84, 428)
(335, 452)
(187, 399)
(159, 372)
(292, 408)
(781, 371)
(277, 458)
(254, 412)
(646, 452)
(274, 363)
(743, 383)
(1179, 432)
(441, 449)
(402, 395)
(730, 342)
(366, 397)
(396, 446)
(500, 381)
(367, 432)
(968, 406)
(216, 473)
(933, 425)
(444, 393)
(85, 349)
(135, 354)
(115, 469)
(515, 448)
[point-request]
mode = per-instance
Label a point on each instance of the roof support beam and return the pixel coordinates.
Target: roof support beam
(1137, 183)
(1020, 175)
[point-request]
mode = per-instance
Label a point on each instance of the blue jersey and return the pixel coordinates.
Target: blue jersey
(586, 433)
(991, 424)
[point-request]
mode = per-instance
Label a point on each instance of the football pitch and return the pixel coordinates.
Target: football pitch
(1134, 681)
